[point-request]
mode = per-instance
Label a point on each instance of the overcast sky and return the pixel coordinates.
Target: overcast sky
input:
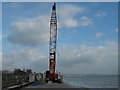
(86, 43)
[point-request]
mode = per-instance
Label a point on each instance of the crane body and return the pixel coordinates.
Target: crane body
(51, 75)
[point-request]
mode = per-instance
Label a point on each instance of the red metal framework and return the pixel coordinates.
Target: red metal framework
(53, 37)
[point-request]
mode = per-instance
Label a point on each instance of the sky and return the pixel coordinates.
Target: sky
(87, 41)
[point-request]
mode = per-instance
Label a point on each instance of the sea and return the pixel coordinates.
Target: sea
(92, 81)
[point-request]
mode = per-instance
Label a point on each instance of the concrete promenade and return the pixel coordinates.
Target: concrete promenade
(52, 85)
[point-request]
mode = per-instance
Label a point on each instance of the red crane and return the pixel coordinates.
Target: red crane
(51, 75)
(53, 38)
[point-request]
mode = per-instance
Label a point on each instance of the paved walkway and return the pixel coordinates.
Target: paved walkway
(52, 85)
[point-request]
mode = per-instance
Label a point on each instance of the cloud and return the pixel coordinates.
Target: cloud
(35, 31)
(99, 34)
(31, 31)
(73, 31)
(67, 13)
(0, 60)
(85, 21)
(25, 58)
(0, 36)
(12, 5)
(116, 30)
(81, 59)
(88, 59)
(99, 14)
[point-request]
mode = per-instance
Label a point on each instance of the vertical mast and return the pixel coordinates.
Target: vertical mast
(53, 37)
